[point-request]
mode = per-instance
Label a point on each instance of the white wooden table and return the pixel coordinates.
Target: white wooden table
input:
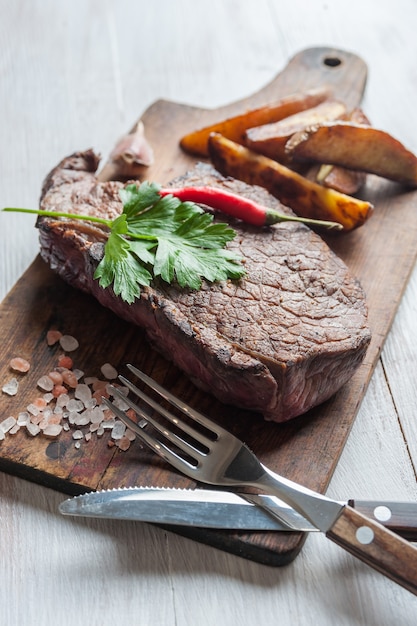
(76, 75)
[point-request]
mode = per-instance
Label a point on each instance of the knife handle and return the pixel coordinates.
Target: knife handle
(400, 517)
(377, 546)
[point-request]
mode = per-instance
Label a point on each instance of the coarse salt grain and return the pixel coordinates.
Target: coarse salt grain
(20, 365)
(118, 430)
(52, 430)
(68, 343)
(32, 409)
(83, 393)
(11, 387)
(23, 418)
(109, 371)
(33, 429)
(8, 424)
(45, 383)
(77, 434)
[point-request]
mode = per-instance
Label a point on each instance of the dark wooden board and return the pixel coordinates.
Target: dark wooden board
(381, 253)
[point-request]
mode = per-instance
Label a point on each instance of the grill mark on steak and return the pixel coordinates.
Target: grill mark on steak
(279, 341)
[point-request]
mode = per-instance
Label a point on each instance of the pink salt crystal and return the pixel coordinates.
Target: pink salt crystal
(43, 423)
(99, 394)
(52, 337)
(56, 377)
(40, 403)
(130, 434)
(123, 444)
(87, 436)
(14, 430)
(59, 390)
(65, 361)
(52, 430)
(68, 343)
(55, 419)
(99, 384)
(90, 380)
(69, 378)
(20, 365)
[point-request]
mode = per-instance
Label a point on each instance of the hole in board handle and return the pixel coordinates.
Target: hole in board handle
(332, 61)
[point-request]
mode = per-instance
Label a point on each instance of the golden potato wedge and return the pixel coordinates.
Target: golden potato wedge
(306, 198)
(234, 127)
(357, 147)
(339, 178)
(270, 139)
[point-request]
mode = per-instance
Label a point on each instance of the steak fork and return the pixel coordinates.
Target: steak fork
(207, 453)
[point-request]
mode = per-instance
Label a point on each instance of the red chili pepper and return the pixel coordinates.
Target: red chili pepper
(237, 206)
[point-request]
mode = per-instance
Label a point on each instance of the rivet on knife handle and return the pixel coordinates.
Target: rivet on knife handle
(400, 517)
(377, 546)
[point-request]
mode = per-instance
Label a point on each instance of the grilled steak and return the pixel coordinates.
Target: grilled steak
(280, 341)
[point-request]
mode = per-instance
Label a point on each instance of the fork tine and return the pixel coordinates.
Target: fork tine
(179, 404)
(181, 464)
(185, 446)
(160, 409)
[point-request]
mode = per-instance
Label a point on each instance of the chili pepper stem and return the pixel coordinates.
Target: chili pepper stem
(274, 217)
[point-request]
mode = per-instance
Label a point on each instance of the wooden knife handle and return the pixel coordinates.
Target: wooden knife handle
(377, 546)
(400, 517)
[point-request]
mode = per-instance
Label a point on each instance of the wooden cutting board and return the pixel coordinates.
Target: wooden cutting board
(381, 253)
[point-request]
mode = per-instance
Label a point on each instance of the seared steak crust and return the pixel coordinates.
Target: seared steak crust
(279, 341)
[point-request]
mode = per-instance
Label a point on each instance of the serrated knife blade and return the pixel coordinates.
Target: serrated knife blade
(209, 508)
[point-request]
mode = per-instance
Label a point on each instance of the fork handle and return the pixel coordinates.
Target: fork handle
(377, 546)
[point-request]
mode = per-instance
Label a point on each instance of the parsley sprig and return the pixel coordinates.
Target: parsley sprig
(159, 237)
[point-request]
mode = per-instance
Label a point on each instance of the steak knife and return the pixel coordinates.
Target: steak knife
(208, 508)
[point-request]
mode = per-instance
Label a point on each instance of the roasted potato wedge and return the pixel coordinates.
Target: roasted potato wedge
(270, 139)
(306, 198)
(234, 127)
(338, 178)
(357, 147)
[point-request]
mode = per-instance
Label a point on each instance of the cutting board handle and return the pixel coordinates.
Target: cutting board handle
(344, 73)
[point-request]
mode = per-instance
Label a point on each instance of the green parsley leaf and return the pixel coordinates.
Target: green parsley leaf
(159, 237)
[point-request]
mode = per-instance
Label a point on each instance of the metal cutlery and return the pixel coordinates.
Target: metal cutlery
(211, 508)
(206, 452)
